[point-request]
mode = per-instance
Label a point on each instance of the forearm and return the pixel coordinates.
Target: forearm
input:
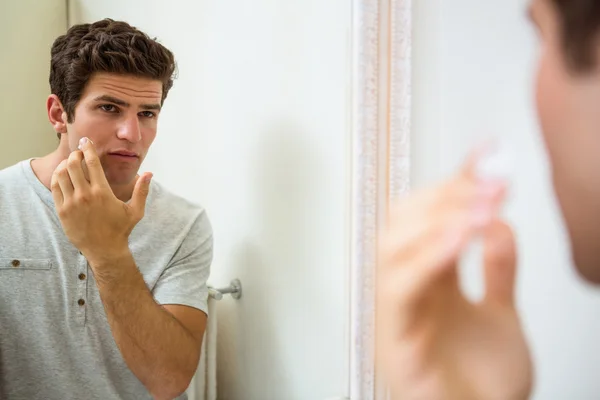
(155, 346)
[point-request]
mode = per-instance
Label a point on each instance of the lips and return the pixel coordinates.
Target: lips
(124, 153)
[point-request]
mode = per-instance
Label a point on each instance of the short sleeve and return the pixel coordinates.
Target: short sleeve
(184, 281)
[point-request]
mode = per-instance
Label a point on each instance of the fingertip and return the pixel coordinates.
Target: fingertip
(85, 143)
(82, 143)
(144, 178)
(500, 229)
(63, 164)
(472, 167)
(469, 167)
(76, 154)
(500, 260)
(499, 239)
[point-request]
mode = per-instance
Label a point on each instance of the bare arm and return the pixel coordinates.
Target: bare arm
(160, 344)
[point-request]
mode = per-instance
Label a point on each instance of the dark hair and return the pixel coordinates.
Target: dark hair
(580, 24)
(105, 46)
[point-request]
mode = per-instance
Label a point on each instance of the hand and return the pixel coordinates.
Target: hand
(93, 218)
(433, 343)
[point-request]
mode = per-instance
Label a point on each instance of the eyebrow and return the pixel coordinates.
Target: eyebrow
(122, 103)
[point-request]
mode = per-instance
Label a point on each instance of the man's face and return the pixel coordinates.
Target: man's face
(568, 106)
(119, 114)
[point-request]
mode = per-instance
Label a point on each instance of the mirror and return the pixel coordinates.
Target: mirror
(290, 130)
(265, 141)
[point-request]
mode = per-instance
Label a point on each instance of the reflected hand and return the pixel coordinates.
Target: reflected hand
(433, 343)
(93, 218)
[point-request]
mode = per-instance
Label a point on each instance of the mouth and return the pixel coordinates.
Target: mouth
(124, 154)
(126, 157)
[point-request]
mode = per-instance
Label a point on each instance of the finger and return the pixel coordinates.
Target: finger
(403, 294)
(427, 238)
(56, 191)
(64, 180)
(500, 260)
(444, 245)
(418, 231)
(74, 166)
(462, 189)
(84, 168)
(140, 194)
(415, 266)
(425, 253)
(469, 169)
(92, 161)
(415, 223)
(455, 190)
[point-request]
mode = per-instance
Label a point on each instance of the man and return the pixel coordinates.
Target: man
(433, 343)
(102, 273)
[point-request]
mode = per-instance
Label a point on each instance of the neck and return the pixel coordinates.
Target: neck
(44, 167)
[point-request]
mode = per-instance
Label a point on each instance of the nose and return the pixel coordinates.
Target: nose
(130, 129)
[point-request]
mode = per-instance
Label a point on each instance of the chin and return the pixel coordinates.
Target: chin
(121, 179)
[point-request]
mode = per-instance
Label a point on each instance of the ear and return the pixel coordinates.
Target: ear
(56, 114)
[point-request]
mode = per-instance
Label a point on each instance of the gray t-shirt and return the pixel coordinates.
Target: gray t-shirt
(55, 340)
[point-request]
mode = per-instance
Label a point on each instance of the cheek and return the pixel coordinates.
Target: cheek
(546, 96)
(148, 136)
(148, 131)
(553, 104)
(74, 134)
(94, 128)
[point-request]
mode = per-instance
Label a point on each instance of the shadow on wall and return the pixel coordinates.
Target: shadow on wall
(262, 335)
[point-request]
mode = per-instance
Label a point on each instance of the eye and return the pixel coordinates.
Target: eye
(148, 114)
(108, 108)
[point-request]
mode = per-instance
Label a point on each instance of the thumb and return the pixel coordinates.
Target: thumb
(140, 194)
(500, 260)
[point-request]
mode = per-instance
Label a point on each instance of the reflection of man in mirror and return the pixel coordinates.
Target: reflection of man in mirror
(103, 273)
(434, 344)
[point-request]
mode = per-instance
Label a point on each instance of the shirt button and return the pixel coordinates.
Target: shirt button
(81, 302)
(16, 263)
(81, 277)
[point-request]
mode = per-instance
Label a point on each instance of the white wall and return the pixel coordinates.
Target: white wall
(473, 69)
(255, 129)
(27, 30)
